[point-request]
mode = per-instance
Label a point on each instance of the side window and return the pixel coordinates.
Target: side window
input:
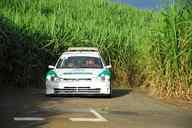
(59, 64)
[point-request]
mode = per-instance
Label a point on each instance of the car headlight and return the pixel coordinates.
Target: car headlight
(104, 75)
(56, 79)
(104, 78)
(51, 75)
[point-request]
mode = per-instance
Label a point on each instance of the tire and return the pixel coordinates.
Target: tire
(49, 95)
(108, 95)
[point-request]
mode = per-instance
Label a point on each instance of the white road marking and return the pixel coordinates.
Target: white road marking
(28, 118)
(98, 119)
(97, 115)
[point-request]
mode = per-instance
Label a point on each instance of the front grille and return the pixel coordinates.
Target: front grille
(78, 90)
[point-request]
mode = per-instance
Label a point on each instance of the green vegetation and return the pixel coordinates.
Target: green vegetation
(145, 47)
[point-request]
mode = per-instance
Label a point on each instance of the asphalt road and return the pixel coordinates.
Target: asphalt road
(28, 108)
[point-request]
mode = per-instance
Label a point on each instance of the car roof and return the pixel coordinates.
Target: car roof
(83, 49)
(80, 53)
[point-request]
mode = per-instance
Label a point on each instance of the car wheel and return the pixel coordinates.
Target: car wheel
(49, 95)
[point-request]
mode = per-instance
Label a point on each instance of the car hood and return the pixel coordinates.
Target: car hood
(78, 73)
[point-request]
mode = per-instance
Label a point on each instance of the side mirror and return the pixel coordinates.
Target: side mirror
(51, 67)
(108, 66)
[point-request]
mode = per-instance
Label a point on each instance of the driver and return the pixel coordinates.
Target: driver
(91, 63)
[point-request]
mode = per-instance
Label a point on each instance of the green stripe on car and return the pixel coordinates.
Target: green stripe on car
(105, 72)
(51, 73)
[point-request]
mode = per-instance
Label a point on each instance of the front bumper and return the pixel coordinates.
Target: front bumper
(85, 87)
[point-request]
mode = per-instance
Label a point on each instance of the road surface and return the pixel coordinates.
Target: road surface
(29, 108)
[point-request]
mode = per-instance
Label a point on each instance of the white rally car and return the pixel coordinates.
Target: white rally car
(80, 70)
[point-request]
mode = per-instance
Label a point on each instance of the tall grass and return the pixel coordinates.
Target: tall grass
(171, 53)
(142, 45)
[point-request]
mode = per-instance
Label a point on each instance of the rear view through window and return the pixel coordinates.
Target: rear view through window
(80, 62)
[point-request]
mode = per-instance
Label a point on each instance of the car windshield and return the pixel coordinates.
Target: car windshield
(80, 62)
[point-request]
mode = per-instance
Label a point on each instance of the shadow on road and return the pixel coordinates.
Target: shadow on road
(18, 102)
(120, 92)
